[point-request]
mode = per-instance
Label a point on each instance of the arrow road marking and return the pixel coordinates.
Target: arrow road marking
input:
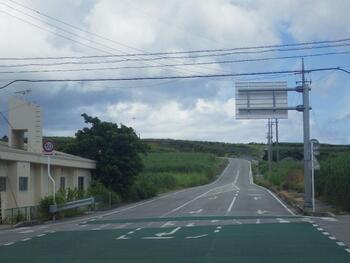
(123, 237)
(193, 237)
(196, 212)
(157, 237)
(168, 233)
(261, 212)
(169, 223)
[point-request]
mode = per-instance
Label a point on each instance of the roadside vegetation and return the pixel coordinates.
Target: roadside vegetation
(164, 171)
(332, 181)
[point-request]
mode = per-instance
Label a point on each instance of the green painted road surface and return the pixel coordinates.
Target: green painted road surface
(293, 242)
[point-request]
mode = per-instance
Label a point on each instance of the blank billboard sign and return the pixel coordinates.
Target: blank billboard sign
(261, 100)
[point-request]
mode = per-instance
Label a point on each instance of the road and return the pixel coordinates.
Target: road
(229, 220)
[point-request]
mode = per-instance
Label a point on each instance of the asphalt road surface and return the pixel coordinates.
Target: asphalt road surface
(229, 220)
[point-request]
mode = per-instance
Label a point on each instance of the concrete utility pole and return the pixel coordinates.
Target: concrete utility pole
(269, 143)
(307, 152)
(277, 149)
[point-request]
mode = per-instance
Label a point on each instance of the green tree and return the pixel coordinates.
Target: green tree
(116, 149)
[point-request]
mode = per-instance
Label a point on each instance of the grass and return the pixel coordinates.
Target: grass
(287, 175)
(166, 171)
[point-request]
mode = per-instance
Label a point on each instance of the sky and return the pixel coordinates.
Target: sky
(191, 109)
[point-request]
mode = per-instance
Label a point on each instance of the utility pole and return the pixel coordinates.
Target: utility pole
(269, 148)
(307, 152)
(277, 149)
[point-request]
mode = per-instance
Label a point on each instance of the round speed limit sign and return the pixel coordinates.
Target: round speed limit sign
(48, 146)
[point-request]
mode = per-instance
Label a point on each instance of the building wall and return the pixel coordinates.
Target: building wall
(39, 184)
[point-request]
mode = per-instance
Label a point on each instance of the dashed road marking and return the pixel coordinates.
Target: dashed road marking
(169, 223)
(315, 225)
(320, 229)
(331, 237)
(281, 220)
(9, 243)
(95, 229)
(27, 231)
(190, 225)
(341, 244)
(194, 237)
(325, 233)
(157, 237)
(138, 229)
(168, 233)
(131, 232)
(41, 235)
(347, 250)
(123, 237)
(196, 211)
(26, 239)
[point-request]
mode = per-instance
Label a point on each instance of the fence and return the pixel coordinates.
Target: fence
(14, 215)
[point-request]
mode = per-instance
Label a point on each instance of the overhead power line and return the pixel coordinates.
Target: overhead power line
(181, 56)
(173, 77)
(172, 65)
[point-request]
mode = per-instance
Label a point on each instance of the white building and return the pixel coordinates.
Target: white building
(23, 166)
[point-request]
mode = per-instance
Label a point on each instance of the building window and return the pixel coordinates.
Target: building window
(80, 183)
(23, 183)
(2, 184)
(62, 183)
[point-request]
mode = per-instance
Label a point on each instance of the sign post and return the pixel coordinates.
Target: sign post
(48, 147)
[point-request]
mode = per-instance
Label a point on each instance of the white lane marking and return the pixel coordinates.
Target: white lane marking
(331, 219)
(203, 194)
(216, 231)
(347, 250)
(121, 226)
(26, 232)
(219, 227)
(169, 223)
(194, 237)
(131, 232)
(214, 221)
(82, 225)
(261, 212)
(281, 220)
(257, 198)
(237, 222)
(212, 198)
(340, 244)
(168, 233)
(96, 229)
(123, 237)
(26, 239)
(196, 211)
(41, 235)
(320, 229)
(190, 225)
(138, 229)
(105, 225)
(231, 205)
(315, 225)
(325, 233)
(258, 221)
(9, 243)
(157, 237)
(331, 237)
(272, 194)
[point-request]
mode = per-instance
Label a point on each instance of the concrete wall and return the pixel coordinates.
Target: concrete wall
(39, 185)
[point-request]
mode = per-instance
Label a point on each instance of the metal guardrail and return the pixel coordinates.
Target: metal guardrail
(73, 204)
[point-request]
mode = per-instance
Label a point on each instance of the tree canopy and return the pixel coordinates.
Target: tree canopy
(116, 149)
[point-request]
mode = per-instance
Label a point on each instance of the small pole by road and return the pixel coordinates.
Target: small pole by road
(277, 148)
